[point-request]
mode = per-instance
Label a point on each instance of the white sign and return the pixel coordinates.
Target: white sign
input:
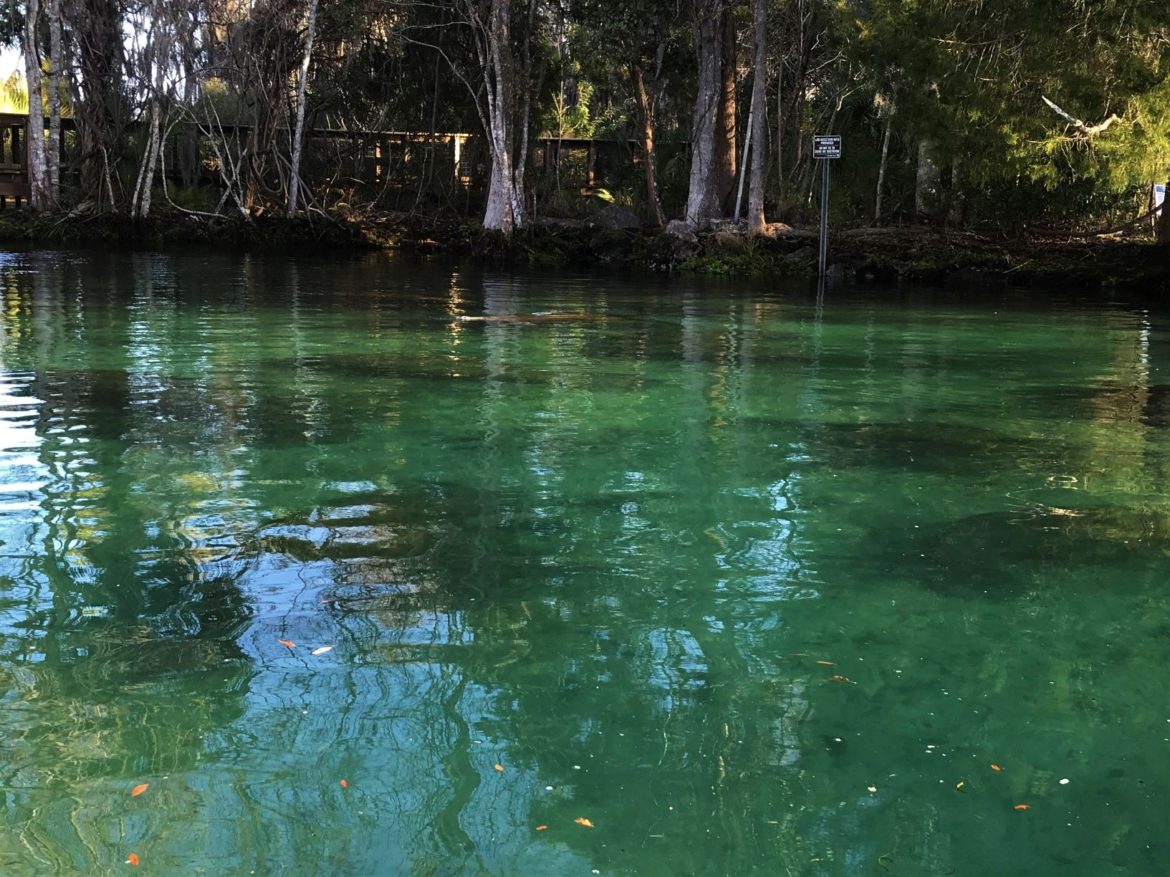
(1159, 195)
(827, 146)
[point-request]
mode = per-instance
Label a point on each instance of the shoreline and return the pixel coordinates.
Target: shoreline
(891, 255)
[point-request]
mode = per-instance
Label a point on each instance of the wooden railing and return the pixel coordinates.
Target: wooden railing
(376, 157)
(13, 159)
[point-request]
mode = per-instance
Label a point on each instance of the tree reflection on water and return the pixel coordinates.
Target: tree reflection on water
(689, 569)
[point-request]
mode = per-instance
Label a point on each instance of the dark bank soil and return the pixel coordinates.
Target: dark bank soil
(910, 254)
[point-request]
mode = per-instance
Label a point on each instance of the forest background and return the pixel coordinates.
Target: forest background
(1003, 116)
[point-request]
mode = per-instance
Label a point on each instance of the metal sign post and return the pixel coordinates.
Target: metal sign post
(826, 148)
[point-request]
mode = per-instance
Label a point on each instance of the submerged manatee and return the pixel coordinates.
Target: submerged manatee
(1006, 552)
(537, 317)
(370, 530)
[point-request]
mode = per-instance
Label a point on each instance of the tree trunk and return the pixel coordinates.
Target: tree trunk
(743, 164)
(155, 145)
(655, 218)
(142, 182)
(499, 215)
(38, 172)
(1164, 220)
(527, 88)
(797, 52)
(53, 147)
(882, 165)
(298, 133)
(759, 122)
(149, 161)
(925, 181)
(99, 107)
(143, 186)
(704, 202)
(268, 104)
(264, 59)
(956, 209)
(726, 134)
(780, 133)
(504, 210)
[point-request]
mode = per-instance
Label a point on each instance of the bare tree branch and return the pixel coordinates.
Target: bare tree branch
(1083, 127)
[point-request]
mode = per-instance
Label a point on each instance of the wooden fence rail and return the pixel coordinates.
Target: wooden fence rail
(371, 157)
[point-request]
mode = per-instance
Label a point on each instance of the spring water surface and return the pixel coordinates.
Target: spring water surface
(619, 577)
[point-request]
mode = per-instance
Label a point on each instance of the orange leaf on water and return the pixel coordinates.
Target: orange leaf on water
(996, 768)
(581, 820)
(344, 784)
(139, 789)
(288, 643)
(132, 859)
(542, 828)
(1022, 807)
(500, 768)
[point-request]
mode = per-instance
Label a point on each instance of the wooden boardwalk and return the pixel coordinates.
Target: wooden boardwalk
(371, 157)
(13, 159)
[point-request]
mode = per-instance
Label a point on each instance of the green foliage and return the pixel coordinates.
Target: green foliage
(968, 79)
(222, 101)
(195, 198)
(13, 94)
(971, 80)
(11, 24)
(571, 119)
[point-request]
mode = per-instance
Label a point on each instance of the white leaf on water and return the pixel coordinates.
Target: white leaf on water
(321, 650)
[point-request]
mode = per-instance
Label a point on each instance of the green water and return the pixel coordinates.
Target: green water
(614, 553)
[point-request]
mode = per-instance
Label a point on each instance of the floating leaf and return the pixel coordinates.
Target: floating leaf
(581, 820)
(344, 784)
(996, 768)
(132, 859)
(139, 789)
(542, 828)
(1022, 807)
(500, 768)
(838, 679)
(871, 789)
(960, 786)
(825, 663)
(288, 643)
(321, 651)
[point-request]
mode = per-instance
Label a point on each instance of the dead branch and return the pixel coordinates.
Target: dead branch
(1082, 126)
